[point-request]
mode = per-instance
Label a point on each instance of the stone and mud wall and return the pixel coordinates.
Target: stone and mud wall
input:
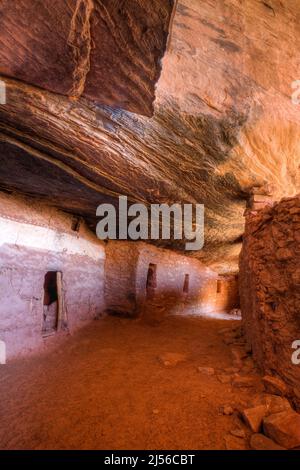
(35, 240)
(178, 284)
(55, 275)
(270, 288)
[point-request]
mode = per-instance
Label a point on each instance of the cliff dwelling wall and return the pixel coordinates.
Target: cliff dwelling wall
(140, 275)
(51, 274)
(55, 276)
(270, 288)
(226, 293)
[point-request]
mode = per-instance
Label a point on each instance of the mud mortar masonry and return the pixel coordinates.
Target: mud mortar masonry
(270, 288)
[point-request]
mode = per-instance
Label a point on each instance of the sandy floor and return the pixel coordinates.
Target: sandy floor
(105, 388)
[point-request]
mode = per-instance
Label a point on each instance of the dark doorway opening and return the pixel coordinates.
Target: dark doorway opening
(51, 303)
(219, 286)
(76, 222)
(151, 276)
(186, 283)
(151, 280)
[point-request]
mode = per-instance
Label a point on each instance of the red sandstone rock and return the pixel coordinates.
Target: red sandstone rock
(72, 48)
(274, 385)
(244, 381)
(254, 417)
(261, 442)
(284, 428)
(238, 433)
(276, 404)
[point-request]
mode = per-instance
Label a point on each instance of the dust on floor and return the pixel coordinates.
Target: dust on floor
(112, 386)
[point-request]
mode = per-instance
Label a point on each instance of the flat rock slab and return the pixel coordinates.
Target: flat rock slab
(283, 428)
(275, 385)
(261, 442)
(238, 433)
(253, 417)
(277, 404)
(274, 403)
(244, 381)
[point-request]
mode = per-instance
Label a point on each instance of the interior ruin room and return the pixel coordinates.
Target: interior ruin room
(130, 344)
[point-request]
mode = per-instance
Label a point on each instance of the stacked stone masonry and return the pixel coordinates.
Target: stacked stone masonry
(270, 288)
(183, 285)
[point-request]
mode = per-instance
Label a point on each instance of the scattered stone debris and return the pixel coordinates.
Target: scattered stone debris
(246, 381)
(265, 406)
(253, 417)
(283, 428)
(276, 404)
(275, 385)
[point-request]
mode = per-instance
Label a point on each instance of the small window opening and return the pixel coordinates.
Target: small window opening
(151, 276)
(186, 283)
(151, 281)
(75, 224)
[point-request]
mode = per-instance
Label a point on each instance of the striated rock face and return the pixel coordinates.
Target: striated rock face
(108, 51)
(224, 121)
(270, 288)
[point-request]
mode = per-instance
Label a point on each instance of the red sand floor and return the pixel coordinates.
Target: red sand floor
(105, 388)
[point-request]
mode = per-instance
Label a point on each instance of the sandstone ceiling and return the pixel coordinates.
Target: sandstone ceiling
(223, 119)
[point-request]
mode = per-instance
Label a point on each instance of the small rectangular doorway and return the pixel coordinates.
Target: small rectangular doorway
(186, 284)
(151, 281)
(52, 303)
